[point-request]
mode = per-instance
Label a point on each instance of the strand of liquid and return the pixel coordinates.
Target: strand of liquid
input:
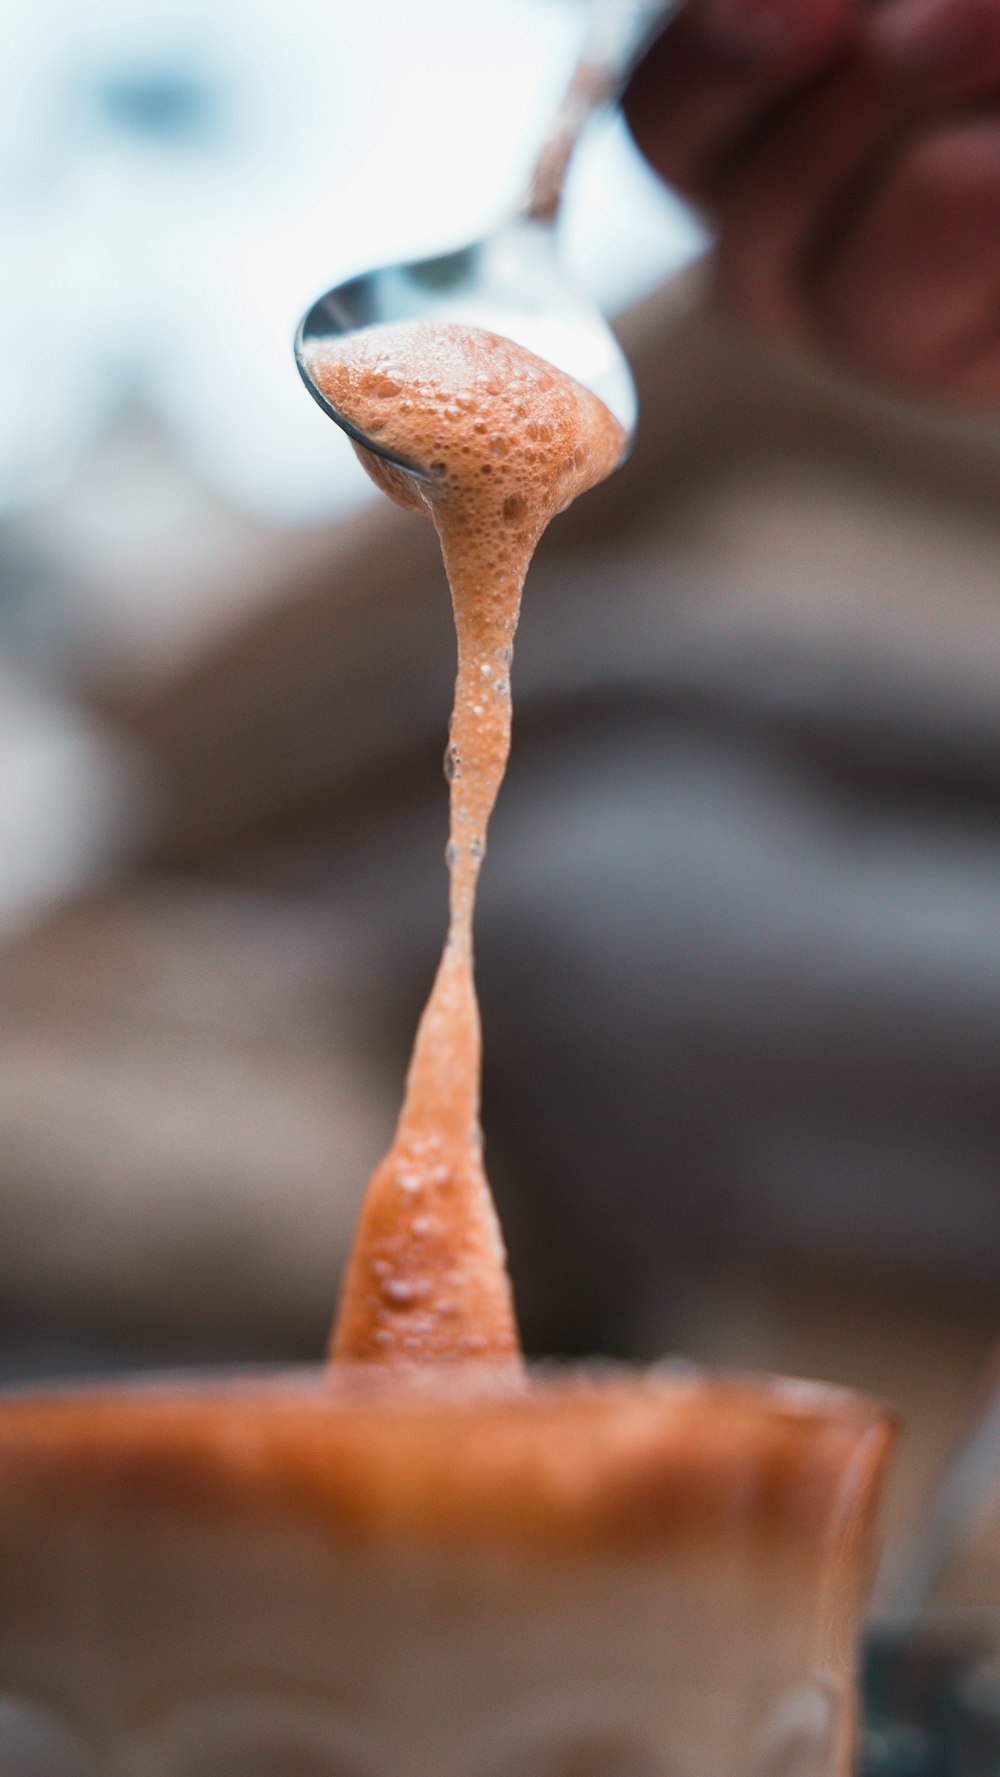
(508, 442)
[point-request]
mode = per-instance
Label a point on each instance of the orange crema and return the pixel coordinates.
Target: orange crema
(507, 441)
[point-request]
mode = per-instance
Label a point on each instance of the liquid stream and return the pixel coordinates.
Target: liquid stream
(508, 442)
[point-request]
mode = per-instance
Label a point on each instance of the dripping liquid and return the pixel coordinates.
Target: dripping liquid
(509, 441)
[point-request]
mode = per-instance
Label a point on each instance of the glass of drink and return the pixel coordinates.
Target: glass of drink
(337, 1574)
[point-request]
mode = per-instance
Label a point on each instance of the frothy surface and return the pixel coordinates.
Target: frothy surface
(507, 441)
(600, 1457)
(443, 1572)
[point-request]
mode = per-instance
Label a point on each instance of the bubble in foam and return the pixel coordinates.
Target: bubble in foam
(401, 1292)
(452, 762)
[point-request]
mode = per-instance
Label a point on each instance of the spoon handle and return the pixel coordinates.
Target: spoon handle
(618, 31)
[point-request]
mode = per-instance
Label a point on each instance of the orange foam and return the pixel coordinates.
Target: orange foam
(506, 441)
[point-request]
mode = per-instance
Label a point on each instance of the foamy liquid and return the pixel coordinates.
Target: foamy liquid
(507, 441)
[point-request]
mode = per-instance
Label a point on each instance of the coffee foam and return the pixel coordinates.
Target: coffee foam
(356, 1574)
(587, 1459)
(504, 442)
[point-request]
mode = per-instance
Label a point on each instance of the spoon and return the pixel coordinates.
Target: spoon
(510, 282)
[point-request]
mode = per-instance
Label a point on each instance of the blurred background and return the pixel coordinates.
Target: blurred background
(739, 937)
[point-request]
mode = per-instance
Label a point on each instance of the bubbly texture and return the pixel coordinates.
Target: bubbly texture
(599, 1457)
(505, 441)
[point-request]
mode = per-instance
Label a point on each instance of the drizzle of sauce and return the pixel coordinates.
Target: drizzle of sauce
(507, 442)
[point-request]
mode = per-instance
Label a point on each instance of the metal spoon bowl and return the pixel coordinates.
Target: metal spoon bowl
(511, 282)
